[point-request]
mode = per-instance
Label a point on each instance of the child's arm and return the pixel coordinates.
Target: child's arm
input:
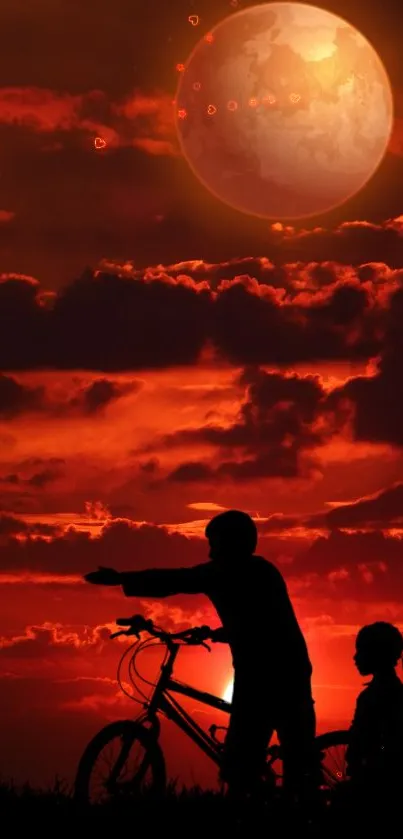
(156, 582)
(162, 582)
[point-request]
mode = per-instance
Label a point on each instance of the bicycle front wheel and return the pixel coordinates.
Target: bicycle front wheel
(123, 760)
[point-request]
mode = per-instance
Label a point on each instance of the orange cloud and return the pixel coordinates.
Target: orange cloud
(41, 579)
(39, 109)
(142, 121)
(208, 506)
(56, 636)
(154, 146)
(157, 109)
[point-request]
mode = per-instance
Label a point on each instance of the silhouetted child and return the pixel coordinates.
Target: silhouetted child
(272, 682)
(375, 753)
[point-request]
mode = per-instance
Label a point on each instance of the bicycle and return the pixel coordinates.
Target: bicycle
(149, 773)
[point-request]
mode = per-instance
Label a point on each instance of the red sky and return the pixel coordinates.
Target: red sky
(202, 360)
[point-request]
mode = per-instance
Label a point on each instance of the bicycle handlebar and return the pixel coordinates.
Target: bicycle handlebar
(137, 623)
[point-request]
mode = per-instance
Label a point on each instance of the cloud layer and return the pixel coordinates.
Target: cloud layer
(168, 317)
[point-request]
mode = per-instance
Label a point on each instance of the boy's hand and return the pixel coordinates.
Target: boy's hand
(103, 577)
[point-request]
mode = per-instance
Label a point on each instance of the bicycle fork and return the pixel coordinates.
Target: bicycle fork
(150, 716)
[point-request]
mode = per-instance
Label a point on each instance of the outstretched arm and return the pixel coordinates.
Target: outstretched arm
(155, 582)
(162, 582)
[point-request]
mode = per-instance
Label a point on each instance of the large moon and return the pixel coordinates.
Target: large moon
(284, 111)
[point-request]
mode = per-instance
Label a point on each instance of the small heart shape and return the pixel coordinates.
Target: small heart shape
(193, 19)
(269, 100)
(99, 143)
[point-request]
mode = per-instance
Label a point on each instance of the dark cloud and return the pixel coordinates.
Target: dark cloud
(12, 526)
(276, 463)
(382, 510)
(75, 552)
(101, 393)
(41, 479)
(149, 466)
(377, 401)
(361, 566)
(192, 472)
(276, 425)
(352, 242)
(385, 509)
(16, 398)
(278, 522)
(13, 478)
(260, 268)
(139, 120)
(121, 322)
(252, 325)
(284, 416)
(140, 319)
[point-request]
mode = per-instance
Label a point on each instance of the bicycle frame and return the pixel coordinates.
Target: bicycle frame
(162, 701)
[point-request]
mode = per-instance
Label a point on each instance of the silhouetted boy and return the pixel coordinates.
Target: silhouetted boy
(272, 681)
(375, 753)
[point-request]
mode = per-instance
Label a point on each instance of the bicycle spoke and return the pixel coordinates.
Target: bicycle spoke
(121, 768)
(333, 765)
(336, 771)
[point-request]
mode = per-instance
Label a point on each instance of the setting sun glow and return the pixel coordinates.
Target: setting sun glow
(227, 695)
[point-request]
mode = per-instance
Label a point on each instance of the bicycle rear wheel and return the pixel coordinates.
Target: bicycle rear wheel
(123, 760)
(332, 748)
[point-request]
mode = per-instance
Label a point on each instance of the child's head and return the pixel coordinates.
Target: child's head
(378, 648)
(231, 534)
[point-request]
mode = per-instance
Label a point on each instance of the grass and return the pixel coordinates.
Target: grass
(183, 812)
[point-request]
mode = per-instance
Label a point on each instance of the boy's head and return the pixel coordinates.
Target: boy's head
(231, 534)
(378, 647)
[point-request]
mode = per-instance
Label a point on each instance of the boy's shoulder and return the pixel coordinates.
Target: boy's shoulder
(373, 690)
(367, 702)
(269, 571)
